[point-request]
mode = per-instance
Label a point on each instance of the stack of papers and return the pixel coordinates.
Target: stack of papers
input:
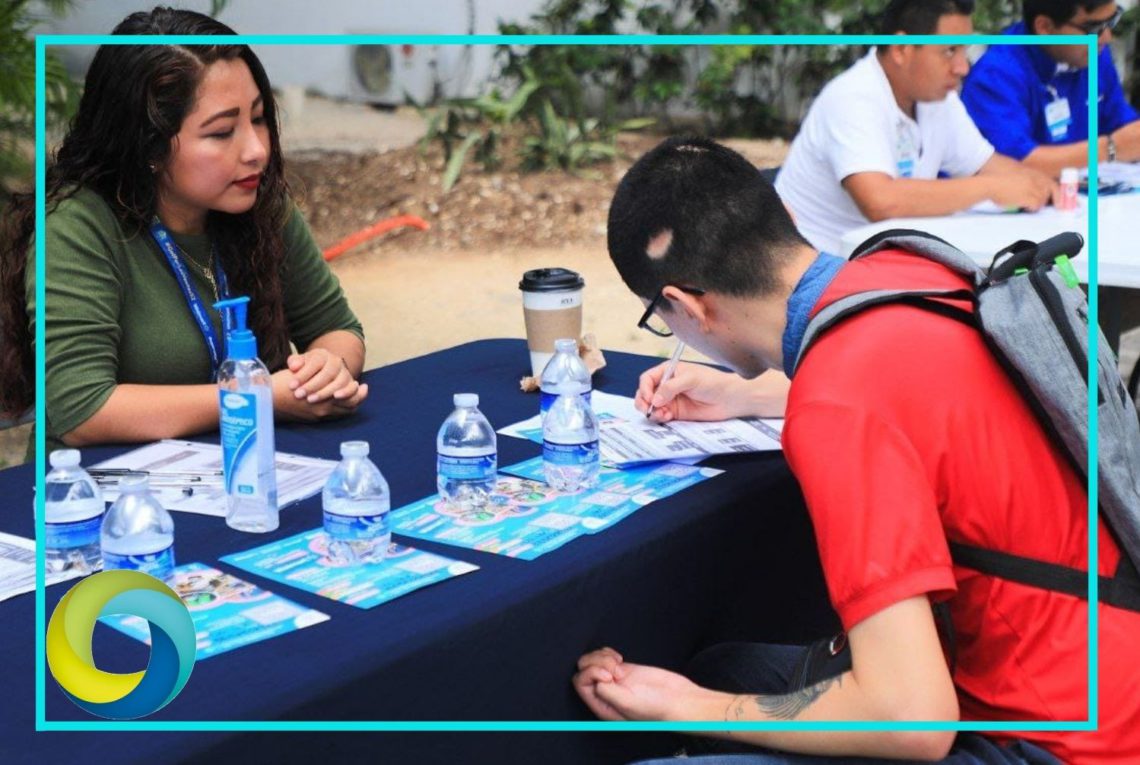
(1116, 172)
(640, 441)
(298, 477)
(18, 567)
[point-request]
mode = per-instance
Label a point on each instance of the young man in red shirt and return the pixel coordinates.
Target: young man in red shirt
(904, 432)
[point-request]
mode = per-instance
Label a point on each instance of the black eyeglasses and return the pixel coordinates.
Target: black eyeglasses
(647, 319)
(1098, 27)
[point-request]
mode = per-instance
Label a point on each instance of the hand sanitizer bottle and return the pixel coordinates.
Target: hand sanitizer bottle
(245, 398)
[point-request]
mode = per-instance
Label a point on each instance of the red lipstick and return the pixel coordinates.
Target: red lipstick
(249, 183)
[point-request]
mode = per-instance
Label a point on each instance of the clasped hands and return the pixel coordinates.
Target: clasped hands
(316, 385)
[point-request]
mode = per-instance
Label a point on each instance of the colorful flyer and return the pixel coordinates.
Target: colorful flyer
(228, 612)
(526, 518)
(303, 561)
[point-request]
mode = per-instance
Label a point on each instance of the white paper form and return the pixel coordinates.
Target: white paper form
(18, 567)
(631, 442)
(628, 438)
(297, 477)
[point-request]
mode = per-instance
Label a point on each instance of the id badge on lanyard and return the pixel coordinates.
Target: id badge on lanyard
(906, 150)
(1058, 117)
(197, 308)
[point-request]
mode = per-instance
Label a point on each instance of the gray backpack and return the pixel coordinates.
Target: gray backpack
(1032, 313)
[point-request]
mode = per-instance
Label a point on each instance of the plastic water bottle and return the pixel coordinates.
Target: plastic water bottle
(356, 504)
(73, 515)
(138, 532)
(245, 399)
(570, 456)
(564, 365)
(467, 455)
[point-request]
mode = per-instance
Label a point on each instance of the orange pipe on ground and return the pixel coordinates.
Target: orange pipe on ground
(375, 230)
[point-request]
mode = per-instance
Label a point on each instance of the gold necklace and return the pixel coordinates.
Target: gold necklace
(205, 271)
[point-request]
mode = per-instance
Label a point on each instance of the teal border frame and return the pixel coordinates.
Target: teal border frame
(43, 724)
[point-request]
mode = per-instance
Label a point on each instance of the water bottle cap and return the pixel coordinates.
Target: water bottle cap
(465, 400)
(566, 345)
(134, 483)
(64, 458)
(354, 449)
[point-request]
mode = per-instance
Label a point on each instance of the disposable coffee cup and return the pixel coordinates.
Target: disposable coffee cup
(552, 308)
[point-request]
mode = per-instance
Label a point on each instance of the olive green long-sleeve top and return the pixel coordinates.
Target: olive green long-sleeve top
(115, 313)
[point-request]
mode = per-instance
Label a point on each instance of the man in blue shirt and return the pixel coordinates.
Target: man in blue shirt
(1031, 101)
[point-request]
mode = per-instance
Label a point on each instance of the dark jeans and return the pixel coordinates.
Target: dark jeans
(774, 669)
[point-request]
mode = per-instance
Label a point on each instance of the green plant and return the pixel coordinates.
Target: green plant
(473, 123)
(18, 94)
(750, 90)
(603, 82)
(563, 144)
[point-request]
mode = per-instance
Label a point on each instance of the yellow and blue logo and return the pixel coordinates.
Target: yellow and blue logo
(109, 694)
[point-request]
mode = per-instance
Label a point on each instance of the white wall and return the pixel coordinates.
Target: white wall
(460, 70)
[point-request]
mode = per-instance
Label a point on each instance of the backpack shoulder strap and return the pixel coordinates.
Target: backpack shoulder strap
(908, 240)
(926, 245)
(1121, 590)
(849, 305)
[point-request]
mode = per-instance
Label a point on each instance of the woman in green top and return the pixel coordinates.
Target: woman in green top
(168, 193)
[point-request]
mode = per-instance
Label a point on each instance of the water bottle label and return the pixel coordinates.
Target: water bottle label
(570, 454)
(546, 400)
(244, 449)
(356, 527)
(467, 468)
(158, 564)
(65, 536)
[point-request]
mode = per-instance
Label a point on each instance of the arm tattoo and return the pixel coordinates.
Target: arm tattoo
(788, 706)
(734, 712)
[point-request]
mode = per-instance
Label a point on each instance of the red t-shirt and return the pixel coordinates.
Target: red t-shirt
(904, 431)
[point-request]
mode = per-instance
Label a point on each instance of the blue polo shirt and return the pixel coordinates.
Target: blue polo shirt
(1011, 88)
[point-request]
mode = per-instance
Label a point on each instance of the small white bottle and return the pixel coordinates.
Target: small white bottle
(138, 532)
(73, 515)
(1067, 192)
(356, 502)
(245, 399)
(571, 458)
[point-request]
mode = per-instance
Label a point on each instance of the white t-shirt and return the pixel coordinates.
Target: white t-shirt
(856, 126)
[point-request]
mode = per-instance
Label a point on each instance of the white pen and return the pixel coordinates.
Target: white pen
(670, 368)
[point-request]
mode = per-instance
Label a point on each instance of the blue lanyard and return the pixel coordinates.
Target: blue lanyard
(197, 309)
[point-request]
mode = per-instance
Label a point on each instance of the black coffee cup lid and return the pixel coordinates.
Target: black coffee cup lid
(551, 280)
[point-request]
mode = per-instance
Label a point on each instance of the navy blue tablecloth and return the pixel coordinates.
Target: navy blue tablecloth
(732, 558)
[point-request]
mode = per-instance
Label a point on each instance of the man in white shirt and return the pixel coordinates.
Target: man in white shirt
(879, 135)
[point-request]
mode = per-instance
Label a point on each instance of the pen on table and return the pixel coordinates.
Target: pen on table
(190, 475)
(670, 368)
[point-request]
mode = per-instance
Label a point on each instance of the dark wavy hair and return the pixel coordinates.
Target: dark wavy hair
(134, 101)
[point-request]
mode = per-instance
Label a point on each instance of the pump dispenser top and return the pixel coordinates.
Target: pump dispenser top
(240, 341)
